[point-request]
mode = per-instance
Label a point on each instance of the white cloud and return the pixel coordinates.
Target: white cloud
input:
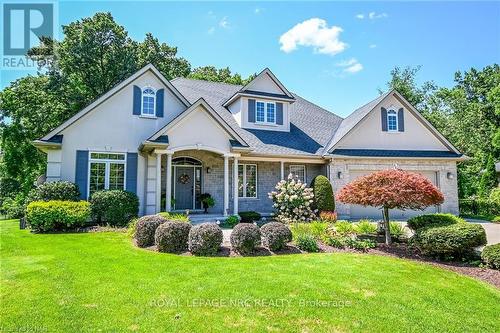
(372, 46)
(211, 30)
(315, 33)
(350, 66)
(360, 16)
(354, 68)
(374, 16)
(257, 10)
(224, 23)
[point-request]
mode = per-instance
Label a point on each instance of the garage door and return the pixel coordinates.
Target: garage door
(359, 212)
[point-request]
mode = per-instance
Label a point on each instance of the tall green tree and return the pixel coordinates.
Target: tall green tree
(489, 178)
(224, 75)
(162, 56)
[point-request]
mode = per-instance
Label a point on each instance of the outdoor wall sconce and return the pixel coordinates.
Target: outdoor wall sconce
(449, 175)
(209, 169)
(340, 175)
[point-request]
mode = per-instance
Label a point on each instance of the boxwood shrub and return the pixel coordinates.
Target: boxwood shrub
(172, 237)
(205, 239)
(323, 194)
(145, 229)
(55, 215)
(249, 217)
(491, 256)
(114, 207)
(428, 220)
(245, 237)
(450, 241)
(275, 235)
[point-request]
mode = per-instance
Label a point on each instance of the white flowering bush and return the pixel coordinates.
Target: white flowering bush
(293, 201)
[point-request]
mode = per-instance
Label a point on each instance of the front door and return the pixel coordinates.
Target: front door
(184, 187)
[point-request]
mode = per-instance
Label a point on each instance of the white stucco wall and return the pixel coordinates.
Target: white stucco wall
(369, 135)
(198, 129)
(265, 84)
(112, 127)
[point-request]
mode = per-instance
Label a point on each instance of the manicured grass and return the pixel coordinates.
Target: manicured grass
(100, 282)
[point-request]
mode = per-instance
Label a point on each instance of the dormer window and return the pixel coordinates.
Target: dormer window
(392, 121)
(265, 112)
(148, 102)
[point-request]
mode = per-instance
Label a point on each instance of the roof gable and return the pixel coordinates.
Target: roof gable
(112, 92)
(351, 131)
(211, 112)
(264, 84)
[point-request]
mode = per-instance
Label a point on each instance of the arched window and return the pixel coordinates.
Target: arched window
(392, 121)
(148, 101)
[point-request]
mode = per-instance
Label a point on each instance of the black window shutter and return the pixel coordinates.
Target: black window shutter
(251, 110)
(279, 113)
(82, 172)
(137, 101)
(401, 120)
(384, 119)
(159, 102)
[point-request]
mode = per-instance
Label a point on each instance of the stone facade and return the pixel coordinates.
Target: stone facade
(448, 186)
(268, 174)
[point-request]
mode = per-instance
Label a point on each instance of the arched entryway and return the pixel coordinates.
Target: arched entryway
(186, 183)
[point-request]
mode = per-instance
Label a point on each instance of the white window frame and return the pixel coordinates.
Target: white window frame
(244, 181)
(148, 115)
(391, 113)
(107, 168)
(266, 120)
(302, 166)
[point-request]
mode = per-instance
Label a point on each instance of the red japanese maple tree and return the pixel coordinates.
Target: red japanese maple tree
(390, 189)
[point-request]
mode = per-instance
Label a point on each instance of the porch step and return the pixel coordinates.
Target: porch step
(204, 218)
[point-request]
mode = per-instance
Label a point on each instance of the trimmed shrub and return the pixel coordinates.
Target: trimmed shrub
(307, 243)
(491, 256)
(450, 241)
(62, 190)
(245, 238)
(275, 235)
(429, 220)
(57, 215)
(172, 237)
(328, 216)
(249, 217)
(145, 229)
(114, 207)
(205, 239)
(14, 208)
(323, 194)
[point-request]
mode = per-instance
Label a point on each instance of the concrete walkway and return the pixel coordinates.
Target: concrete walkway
(492, 230)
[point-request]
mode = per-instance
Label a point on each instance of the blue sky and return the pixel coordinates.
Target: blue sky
(338, 57)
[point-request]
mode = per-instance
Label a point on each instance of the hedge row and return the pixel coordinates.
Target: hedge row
(479, 207)
(43, 216)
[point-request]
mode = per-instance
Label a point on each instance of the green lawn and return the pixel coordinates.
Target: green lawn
(100, 282)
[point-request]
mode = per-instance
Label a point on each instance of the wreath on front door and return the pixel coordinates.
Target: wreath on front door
(184, 179)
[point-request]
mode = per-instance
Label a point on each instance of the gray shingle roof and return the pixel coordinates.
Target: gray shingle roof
(311, 127)
(394, 153)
